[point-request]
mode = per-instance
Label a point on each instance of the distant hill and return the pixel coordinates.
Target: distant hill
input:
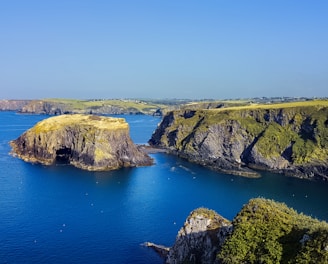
(125, 106)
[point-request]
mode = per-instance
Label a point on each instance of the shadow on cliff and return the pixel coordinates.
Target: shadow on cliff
(193, 248)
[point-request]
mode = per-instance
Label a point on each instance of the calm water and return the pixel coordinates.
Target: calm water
(61, 214)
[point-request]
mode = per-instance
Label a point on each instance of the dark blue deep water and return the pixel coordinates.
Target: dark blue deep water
(61, 214)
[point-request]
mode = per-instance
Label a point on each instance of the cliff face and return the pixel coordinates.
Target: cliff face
(13, 105)
(45, 107)
(59, 108)
(85, 141)
(200, 238)
(65, 106)
(291, 139)
(263, 231)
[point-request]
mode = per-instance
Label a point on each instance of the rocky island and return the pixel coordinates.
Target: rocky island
(88, 142)
(289, 138)
(264, 231)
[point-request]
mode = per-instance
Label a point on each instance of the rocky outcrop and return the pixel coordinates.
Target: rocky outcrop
(85, 141)
(290, 139)
(199, 240)
(46, 107)
(13, 105)
(264, 231)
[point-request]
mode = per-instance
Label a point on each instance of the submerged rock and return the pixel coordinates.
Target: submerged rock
(85, 141)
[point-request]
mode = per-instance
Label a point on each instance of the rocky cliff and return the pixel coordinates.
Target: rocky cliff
(46, 107)
(285, 138)
(264, 231)
(201, 237)
(58, 107)
(85, 141)
(13, 105)
(71, 106)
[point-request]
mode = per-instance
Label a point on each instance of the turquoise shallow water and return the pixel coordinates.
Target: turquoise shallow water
(61, 214)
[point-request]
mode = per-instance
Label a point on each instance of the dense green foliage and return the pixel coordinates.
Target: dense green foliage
(269, 232)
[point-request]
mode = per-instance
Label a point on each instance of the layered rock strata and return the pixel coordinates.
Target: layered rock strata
(285, 138)
(86, 141)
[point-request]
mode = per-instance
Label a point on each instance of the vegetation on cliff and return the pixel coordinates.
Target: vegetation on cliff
(68, 106)
(157, 107)
(85, 141)
(289, 137)
(264, 231)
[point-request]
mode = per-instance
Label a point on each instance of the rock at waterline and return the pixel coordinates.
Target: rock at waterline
(89, 142)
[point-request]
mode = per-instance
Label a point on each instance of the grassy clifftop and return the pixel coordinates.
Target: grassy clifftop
(264, 231)
(128, 105)
(98, 122)
(269, 232)
(280, 136)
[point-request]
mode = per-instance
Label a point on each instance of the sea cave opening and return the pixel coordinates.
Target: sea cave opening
(63, 155)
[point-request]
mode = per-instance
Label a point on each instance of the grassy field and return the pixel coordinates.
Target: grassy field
(141, 106)
(316, 103)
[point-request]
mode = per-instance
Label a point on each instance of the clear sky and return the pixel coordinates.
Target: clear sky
(163, 48)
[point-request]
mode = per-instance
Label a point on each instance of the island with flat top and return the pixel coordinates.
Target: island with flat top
(89, 142)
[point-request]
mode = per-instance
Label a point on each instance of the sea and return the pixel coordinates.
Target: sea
(61, 214)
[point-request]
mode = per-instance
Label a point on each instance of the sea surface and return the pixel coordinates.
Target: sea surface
(61, 214)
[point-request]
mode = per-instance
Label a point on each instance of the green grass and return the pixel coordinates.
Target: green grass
(269, 232)
(314, 103)
(93, 122)
(135, 105)
(301, 126)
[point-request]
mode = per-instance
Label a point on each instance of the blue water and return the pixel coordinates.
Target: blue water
(61, 214)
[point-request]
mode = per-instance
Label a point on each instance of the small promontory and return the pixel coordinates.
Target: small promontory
(264, 231)
(90, 142)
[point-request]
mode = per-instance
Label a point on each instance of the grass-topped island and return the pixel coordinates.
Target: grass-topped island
(86, 141)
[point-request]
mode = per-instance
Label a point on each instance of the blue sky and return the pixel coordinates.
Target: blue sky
(163, 49)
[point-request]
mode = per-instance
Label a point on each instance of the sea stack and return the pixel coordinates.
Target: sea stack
(89, 142)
